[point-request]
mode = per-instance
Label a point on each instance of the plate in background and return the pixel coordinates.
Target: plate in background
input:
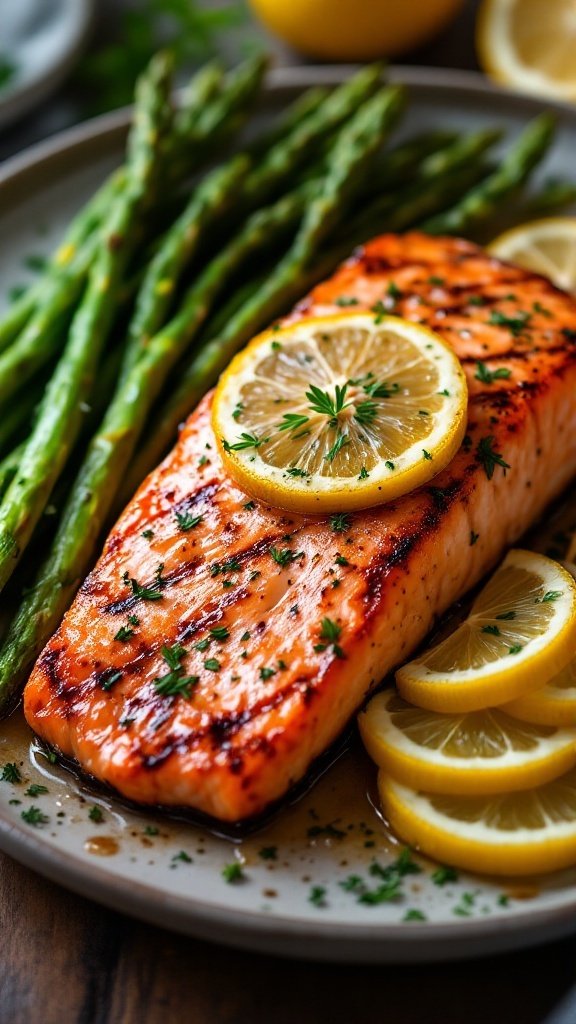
(40, 40)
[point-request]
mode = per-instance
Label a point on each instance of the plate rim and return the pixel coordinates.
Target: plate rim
(370, 942)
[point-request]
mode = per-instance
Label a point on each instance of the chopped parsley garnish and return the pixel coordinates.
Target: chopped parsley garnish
(145, 593)
(11, 773)
(268, 853)
(363, 474)
(329, 635)
(476, 300)
(550, 595)
(174, 683)
(317, 896)
(515, 324)
(109, 677)
(389, 465)
(489, 376)
(366, 411)
(515, 649)
(491, 630)
(414, 915)
(465, 907)
(202, 645)
(34, 816)
(151, 830)
(233, 872)
(267, 673)
(245, 636)
(346, 300)
(436, 281)
(426, 455)
(293, 421)
(95, 814)
(237, 412)
(246, 441)
(323, 403)
(186, 521)
(444, 874)
(182, 857)
(249, 506)
(473, 538)
(284, 556)
(294, 471)
(340, 560)
(147, 534)
(212, 664)
(219, 568)
(124, 633)
(340, 522)
(489, 458)
(505, 616)
(35, 790)
(219, 632)
(337, 447)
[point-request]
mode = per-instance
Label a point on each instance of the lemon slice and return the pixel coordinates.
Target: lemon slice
(506, 834)
(529, 44)
(521, 631)
(547, 246)
(554, 704)
(340, 412)
(478, 752)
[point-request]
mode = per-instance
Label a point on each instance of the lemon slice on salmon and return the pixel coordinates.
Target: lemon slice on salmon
(475, 752)
(521, 631)
(546, 246)
(529, 44)
(554, 704)
(506, 834)
(340, 412)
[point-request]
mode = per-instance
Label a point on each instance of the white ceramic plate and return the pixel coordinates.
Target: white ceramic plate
(171, 872)
(41, 40)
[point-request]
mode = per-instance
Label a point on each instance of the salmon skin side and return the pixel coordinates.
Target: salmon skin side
(267, 700)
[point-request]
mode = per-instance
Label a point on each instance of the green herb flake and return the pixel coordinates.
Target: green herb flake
(11, 773)
(147, 534)
(487, 376)
(317, 896)
(489, 458)
(212, 665)
(549, 596)
(36, 789)
(233, 872)
(443, 875)
(473, 538)
(186, 521)
(124, 633)
(267, 673)
(268, 853)
(414, 915)
(34, 816)
(340, 522)
(426, 455)
(219, 632)
(95, 814)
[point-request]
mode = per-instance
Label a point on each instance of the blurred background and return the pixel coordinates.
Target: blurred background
(62, 61)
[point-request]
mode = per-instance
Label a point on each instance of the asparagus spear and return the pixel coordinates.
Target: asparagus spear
(60, 414)
(350, 159)
(112, 446)
(513, 172)
(9, 468)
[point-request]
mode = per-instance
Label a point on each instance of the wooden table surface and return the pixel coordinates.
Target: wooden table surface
(66, 960)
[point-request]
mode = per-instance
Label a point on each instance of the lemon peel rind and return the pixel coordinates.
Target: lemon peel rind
(422, 827)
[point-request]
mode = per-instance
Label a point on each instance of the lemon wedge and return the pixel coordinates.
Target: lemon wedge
(546, 246)
(507, 834)
(529, 44)
(521, 631)
(341, 412)
(476, 752)
(554, 704)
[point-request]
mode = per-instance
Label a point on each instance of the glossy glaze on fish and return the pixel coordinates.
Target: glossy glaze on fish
(267, 692)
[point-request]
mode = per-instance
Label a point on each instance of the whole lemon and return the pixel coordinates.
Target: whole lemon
(355, 30)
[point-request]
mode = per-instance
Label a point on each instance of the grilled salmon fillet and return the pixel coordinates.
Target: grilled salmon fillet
(187, 584)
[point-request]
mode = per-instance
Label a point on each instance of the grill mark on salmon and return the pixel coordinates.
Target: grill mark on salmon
(251, 729)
